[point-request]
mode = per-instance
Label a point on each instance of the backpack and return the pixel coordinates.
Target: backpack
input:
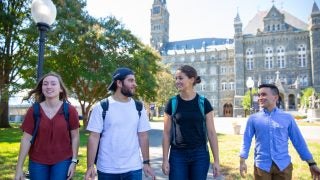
(174, 105)
(36, 117)
(105, 106)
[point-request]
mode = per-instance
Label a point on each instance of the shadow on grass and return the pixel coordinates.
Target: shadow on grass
(11, 135)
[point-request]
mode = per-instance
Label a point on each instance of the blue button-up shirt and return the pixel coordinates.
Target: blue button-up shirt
(272, 131)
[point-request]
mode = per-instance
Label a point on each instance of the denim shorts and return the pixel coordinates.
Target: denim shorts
(131, 175)
(189, 164)
(56, 171)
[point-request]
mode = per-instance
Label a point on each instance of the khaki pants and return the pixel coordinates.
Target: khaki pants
(274, 174)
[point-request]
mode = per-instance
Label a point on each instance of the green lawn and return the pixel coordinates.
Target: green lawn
(229, 146)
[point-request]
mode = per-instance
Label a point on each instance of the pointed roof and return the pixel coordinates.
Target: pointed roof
(315, 8)
(273, 12)
(237, 18)
(257, 22)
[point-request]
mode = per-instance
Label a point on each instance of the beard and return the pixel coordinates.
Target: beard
(126, 91)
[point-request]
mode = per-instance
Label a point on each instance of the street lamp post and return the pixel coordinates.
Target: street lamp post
(44, 14)
(250, 84)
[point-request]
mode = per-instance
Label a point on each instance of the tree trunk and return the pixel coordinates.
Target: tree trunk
(4, 111)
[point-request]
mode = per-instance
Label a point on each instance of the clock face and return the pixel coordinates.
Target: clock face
(156, 10)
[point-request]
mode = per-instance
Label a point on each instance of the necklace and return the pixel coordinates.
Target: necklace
(51, 111)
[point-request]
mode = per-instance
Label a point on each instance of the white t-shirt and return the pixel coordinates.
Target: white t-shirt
(119, 150)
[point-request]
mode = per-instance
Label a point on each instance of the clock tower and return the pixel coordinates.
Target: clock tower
(159, 24)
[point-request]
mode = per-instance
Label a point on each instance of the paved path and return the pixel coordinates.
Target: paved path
(155, 136)
(222, 125)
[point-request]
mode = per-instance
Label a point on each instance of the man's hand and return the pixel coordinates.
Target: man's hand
(148, 171)
(243, 167)
(315, 172)
(91, 173)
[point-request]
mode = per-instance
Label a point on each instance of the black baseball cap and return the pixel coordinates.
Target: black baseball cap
(119, 74)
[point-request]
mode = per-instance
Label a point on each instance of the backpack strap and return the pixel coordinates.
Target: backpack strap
(36, 118)
(105, 106)
(204, 124)
(66, 116)
(174, 105)
(139, 106)
(201, 105)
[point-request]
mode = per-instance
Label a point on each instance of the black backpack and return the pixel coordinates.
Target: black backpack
(105, 106)
(37, 118)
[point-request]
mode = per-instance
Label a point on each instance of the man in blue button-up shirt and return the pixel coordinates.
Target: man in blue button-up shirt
(272, 128)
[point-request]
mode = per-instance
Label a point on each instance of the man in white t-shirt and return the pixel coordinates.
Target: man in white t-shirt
(124, 132)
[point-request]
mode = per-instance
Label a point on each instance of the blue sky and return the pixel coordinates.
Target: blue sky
(194, 18)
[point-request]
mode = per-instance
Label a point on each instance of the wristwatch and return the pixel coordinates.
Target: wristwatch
(76, 161)
(146, 161)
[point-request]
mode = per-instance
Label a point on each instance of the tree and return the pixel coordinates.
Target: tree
(83, 50)
(166, 87)
(246, 102)
(17, 57)
(306, 93)
(86, 51)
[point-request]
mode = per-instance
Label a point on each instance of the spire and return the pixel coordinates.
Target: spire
(315, 8)
(237, 18)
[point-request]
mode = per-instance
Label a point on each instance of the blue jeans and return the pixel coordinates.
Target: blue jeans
(131, 175)
(189, 164)
(56, 171)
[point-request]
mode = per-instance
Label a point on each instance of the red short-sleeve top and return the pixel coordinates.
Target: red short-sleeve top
(52, 143)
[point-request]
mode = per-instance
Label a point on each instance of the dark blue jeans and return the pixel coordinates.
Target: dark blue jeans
(57, 171)
(131, 175)
(189, 164)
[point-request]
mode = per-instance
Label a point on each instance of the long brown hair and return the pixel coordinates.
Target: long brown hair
(37, 91)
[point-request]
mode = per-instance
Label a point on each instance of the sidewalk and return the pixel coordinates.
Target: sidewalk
(222, 125)
(155, 139)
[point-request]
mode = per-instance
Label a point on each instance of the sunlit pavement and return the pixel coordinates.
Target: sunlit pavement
(222, 125)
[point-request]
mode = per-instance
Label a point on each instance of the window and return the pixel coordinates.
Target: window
(202, 71)
(231, 84)
(303, 80)
(281, 62)
(302, 60)
(268, 62)
(192, 58)
(214, 85)
(223, 70)
(249, 63)
(203, 86)
(223, 86)
(202, 58)
(249, 59)
(213, 70)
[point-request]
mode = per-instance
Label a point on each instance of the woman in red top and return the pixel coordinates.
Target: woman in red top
(53, 155)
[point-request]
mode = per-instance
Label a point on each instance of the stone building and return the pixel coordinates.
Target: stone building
(274, 47)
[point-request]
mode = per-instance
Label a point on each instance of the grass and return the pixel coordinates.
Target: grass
(229, 146)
